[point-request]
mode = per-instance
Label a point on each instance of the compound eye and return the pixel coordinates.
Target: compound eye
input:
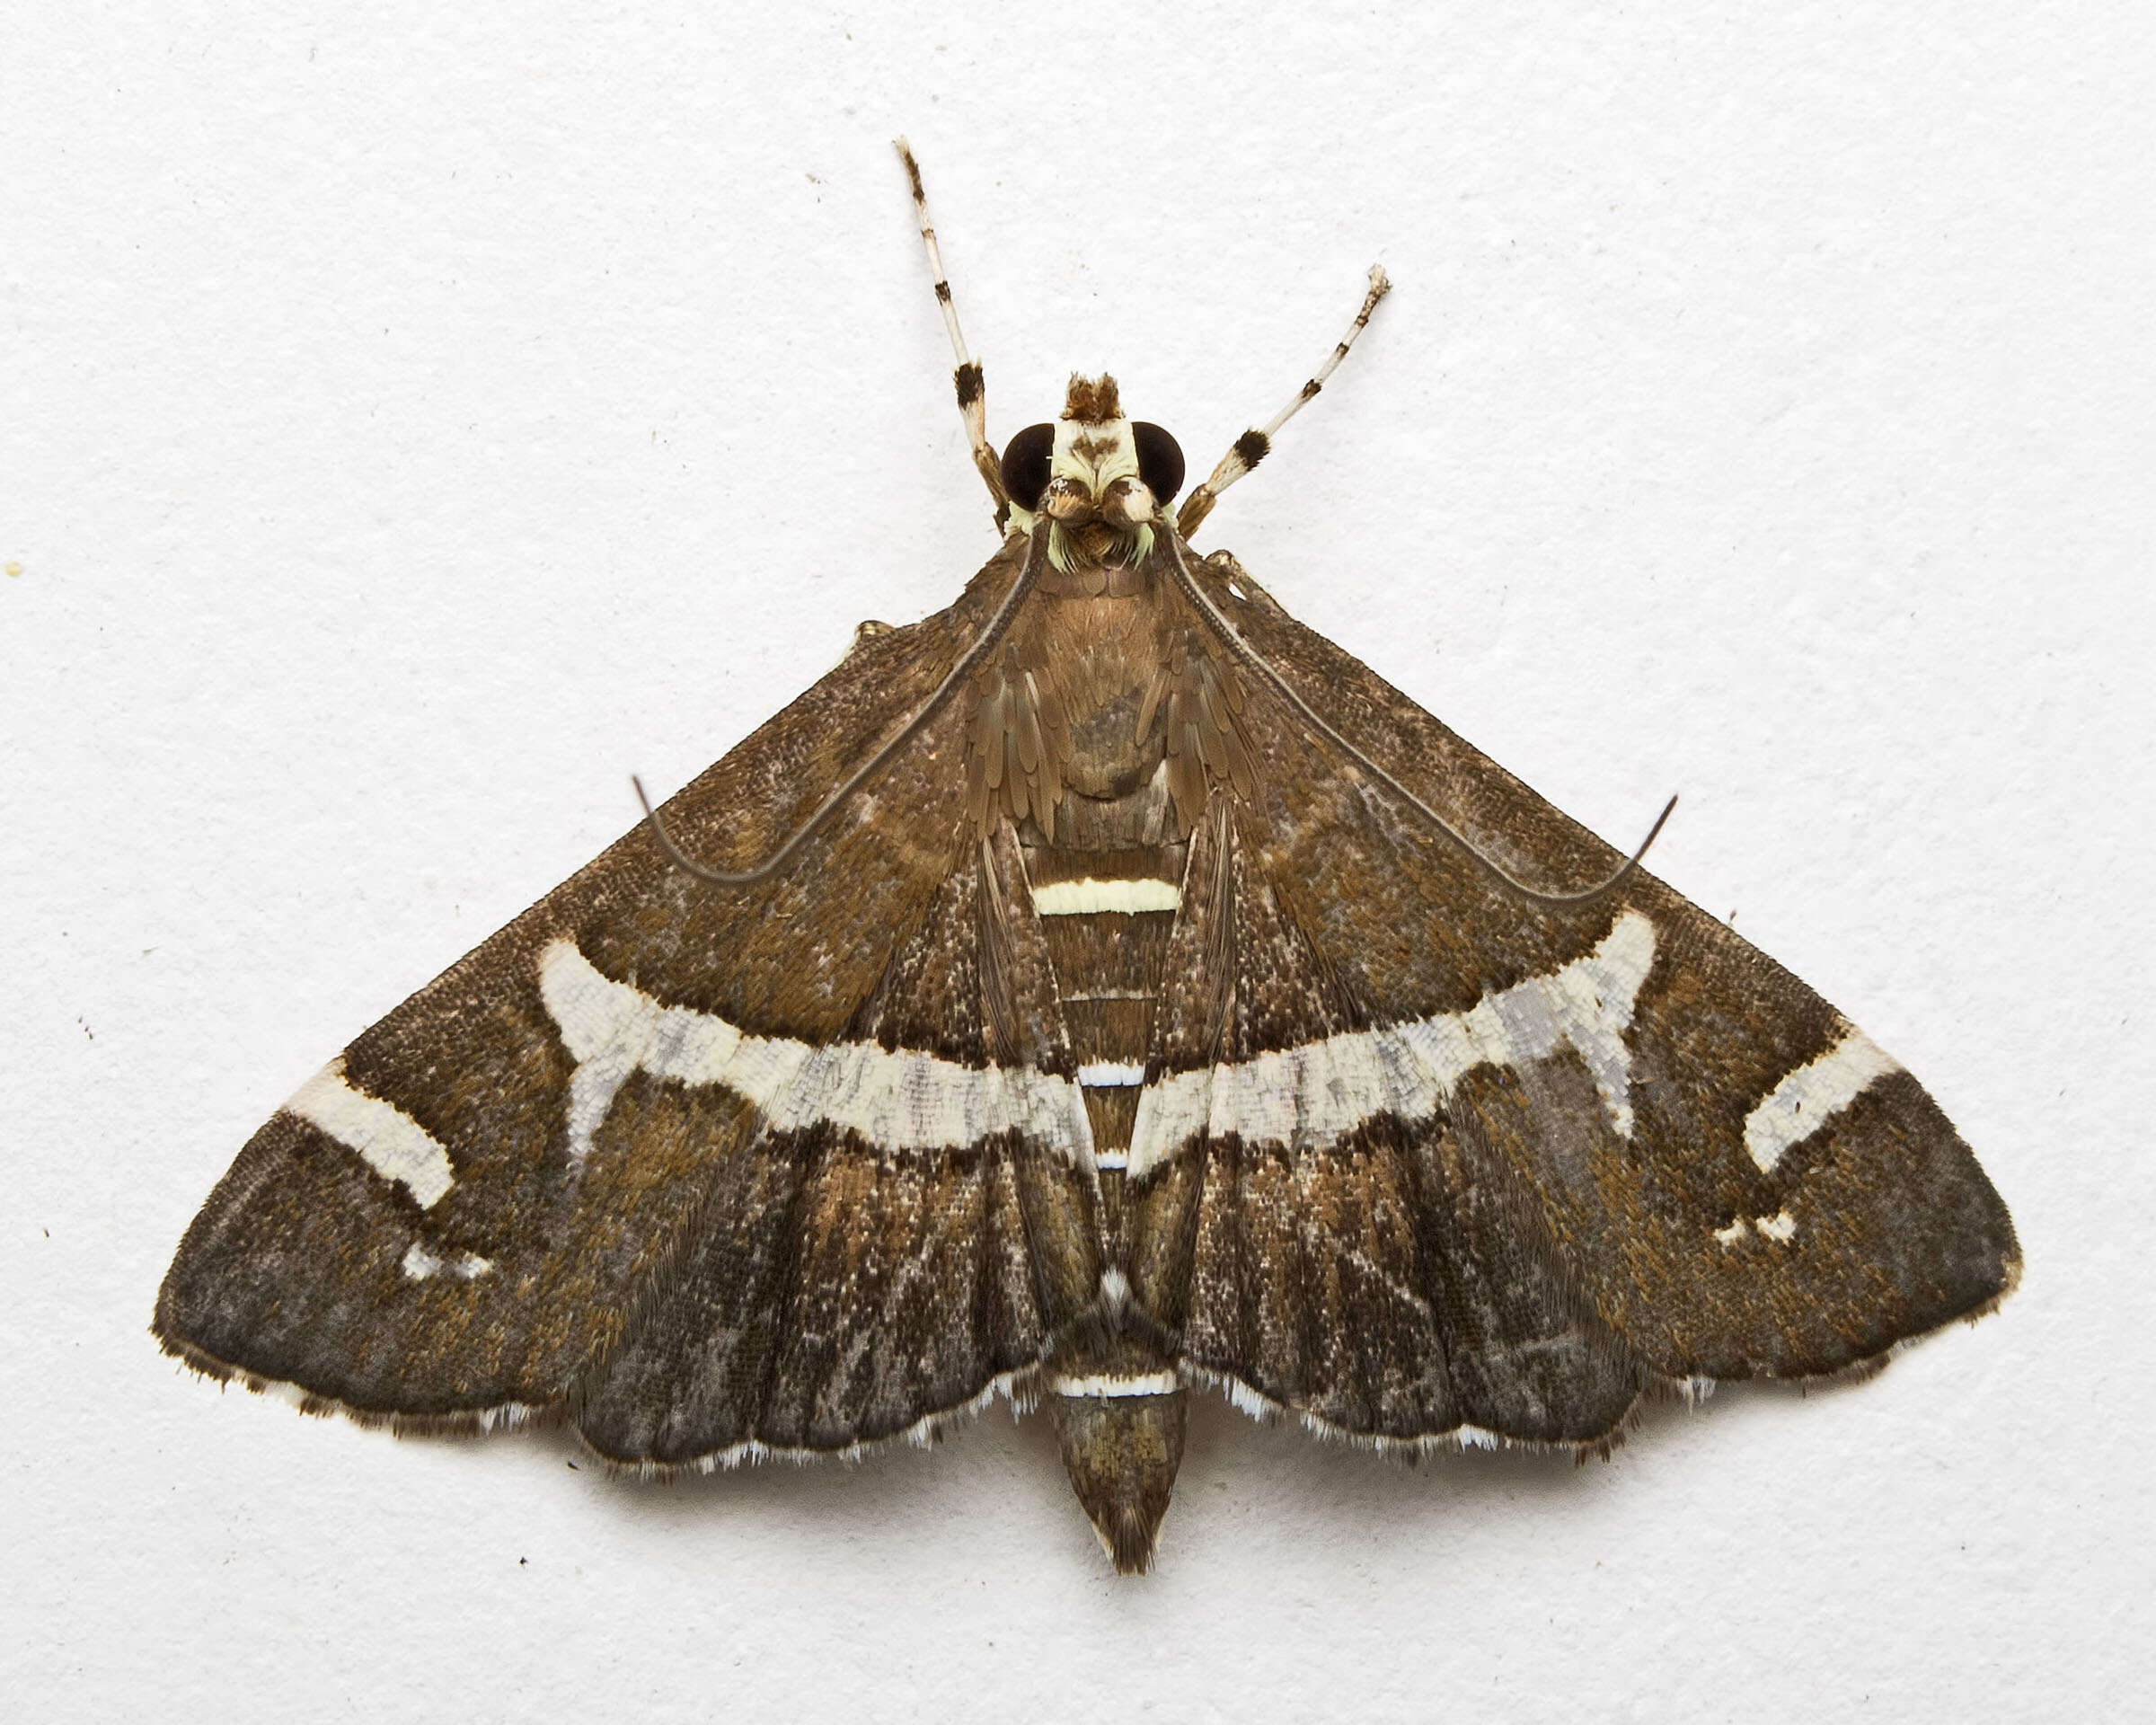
(1026, 465)
(1160, 460)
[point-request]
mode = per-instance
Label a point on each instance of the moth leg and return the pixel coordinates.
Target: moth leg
(967, 375)
(1251, 448)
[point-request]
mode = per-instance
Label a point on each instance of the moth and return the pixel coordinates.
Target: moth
(1103, 988)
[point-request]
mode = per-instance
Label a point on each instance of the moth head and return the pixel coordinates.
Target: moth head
(1100, 478)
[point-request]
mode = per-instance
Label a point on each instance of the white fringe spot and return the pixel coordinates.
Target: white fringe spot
(421, 1263)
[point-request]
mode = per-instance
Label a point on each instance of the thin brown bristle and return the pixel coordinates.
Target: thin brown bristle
(913, 168)
(1129, 1541)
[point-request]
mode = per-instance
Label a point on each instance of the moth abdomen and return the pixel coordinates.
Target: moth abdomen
(1120, 1432)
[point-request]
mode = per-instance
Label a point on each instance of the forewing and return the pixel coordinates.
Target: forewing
(1705, 1156)
(652, 1103)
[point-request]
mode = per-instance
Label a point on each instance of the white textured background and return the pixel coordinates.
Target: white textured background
(409, 424)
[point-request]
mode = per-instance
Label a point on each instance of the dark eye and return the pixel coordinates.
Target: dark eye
(1026, 465)
(1160, 460)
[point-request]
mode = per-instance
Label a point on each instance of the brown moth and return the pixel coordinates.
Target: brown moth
(1103, 987)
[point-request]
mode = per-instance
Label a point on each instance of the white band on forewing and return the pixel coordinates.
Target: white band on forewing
(1315, 1094)
(1809, 1097)
(388, 1140)
(896, 1099)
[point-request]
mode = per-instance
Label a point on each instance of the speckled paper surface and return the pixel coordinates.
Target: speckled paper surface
(412, 422)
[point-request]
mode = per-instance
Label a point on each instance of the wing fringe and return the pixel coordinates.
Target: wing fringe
(1022, 1388)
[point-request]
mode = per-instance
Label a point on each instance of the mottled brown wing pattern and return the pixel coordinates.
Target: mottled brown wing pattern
(1371, 1275)
(730, 1169)
(1617, 1127)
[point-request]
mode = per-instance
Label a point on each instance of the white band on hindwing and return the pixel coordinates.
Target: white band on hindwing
(1320, 1092)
